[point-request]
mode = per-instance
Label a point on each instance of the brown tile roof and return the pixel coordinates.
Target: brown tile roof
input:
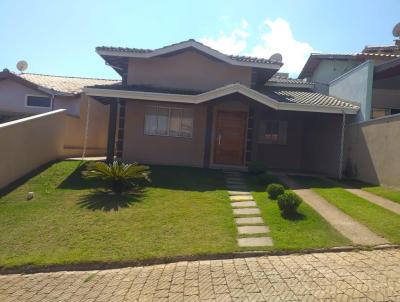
(144, 50)
(285, 80)
(307, 97)
(62, 84)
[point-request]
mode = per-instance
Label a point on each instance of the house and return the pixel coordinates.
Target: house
(188, 104)
(28, 94)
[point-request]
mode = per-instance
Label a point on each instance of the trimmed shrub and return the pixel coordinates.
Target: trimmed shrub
(274, 190)
(256, 167)
(288, 203)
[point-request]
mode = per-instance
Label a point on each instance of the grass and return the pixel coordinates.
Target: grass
(385, 192)
(305, 231)
(185, 211)
(376, 218)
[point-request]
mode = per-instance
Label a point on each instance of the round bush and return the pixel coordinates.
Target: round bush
(288, 203)
(256, 167)
(274, 190)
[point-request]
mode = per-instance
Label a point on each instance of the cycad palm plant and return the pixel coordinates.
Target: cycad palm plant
(120, 177)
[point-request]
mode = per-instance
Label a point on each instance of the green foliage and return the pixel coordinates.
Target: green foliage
(288, 203)
(274, 190)
(256, 167)
(118, 177)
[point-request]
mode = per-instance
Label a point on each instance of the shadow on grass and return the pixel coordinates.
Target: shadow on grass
(294, 217)
(75, 181)
(104, 201)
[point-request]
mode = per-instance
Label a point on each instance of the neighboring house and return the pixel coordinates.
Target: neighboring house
(358, 78)
(188, 104)
(28, 94)
(321, 69)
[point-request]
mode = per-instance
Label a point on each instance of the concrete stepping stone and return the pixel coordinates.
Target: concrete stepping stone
(255, 241)
(253, 229)
(249, 220)
(234, 193)
(237, 187)
(241, 197)
(246, 211)
(235, 182)
(243, 204)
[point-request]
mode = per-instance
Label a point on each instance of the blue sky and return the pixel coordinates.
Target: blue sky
(59, 37)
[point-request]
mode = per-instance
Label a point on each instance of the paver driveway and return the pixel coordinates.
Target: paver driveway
(345, 276)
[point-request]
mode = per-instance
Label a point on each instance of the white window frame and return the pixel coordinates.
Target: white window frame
(168, 123)
(34, 95)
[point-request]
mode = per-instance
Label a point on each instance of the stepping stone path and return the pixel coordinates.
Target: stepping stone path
(252, 230)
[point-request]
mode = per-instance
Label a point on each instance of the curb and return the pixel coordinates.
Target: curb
(236, 255)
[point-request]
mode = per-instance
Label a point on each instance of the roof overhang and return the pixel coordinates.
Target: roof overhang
(191, 44)
(213, 94)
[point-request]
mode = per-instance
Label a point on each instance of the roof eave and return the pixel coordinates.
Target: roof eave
(219, 92)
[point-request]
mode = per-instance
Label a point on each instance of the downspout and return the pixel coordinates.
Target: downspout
(341, 154)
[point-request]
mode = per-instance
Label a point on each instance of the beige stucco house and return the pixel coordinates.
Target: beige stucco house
(28, 94)
(188, 104)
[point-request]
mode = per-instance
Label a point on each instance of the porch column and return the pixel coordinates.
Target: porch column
(207, 141)
(112, 125)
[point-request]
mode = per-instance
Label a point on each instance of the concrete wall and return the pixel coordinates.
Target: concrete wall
(186, 70)
(29, 143)
(165, 150)
(356, 86)
(321, 143)
(372, 151)
(328, 70)
(97, 130)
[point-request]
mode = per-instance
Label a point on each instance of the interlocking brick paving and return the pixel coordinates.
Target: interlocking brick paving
(343, 276)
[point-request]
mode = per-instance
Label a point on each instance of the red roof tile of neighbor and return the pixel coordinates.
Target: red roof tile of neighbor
(64, 84)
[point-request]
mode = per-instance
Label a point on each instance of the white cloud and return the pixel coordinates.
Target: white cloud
(280, 39)
(233, 43)
(274, 36)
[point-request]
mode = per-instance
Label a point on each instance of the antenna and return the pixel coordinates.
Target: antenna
(277, 57)
(22, 66)
(396, 30)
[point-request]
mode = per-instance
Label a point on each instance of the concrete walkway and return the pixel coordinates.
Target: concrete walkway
(345, 276)
(380, 201)
(347, 226)
(251, 228)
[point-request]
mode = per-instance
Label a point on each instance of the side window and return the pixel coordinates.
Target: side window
(38, 101)
(168, 121)
(273, 132)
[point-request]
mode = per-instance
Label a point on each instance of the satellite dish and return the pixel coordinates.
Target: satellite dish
(22, 65)
(396, 30)
(277, 57)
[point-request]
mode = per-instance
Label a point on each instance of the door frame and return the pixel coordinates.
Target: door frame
(214, 133)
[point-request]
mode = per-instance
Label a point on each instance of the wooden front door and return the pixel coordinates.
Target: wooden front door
(229, 138)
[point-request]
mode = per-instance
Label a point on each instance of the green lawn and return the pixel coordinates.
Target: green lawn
(378, 219)
(385, 192)
(185, 211)
(308, 230)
